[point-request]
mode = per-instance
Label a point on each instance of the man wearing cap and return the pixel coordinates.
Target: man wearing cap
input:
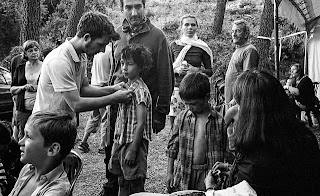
(63, 82)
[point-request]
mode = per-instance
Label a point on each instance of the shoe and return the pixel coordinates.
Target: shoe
(101, 151)
(84, 147)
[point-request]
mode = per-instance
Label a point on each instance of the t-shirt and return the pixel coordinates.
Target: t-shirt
(101, 67)
(54, 183)
(62, 71)
(244, 58)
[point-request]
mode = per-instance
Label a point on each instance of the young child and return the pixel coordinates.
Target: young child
(133, 125)
(230, 118)
(198, 138)
(48, 139)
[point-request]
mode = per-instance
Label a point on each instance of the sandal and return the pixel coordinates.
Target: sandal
(84, 147)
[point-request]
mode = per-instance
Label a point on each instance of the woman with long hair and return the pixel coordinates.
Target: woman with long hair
(275, 153)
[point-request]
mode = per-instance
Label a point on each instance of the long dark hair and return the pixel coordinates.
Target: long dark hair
(265, 116)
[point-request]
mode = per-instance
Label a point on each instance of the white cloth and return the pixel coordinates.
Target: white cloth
(194, 41)
(101, 67)
(314, 56)
(241, 189)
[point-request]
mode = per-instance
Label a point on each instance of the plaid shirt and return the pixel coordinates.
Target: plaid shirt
(126, 122)
(181, 144)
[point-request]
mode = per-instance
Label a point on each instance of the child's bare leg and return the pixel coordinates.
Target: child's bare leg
(137, 185)
(124, 186)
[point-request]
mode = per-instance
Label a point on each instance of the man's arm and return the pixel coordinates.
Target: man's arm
(251, 59)
(96, 91)
(165, 81)
(82, 104)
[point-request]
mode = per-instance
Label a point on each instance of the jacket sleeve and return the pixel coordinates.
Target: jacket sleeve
(165, 77)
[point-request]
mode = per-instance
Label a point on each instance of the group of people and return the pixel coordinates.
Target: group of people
(139, 78)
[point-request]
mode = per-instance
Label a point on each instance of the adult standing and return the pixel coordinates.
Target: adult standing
(25, 84)
(190, 54)
(63, 83)
(15, 61)
(245, 57)
(98, 119)
(137, 28)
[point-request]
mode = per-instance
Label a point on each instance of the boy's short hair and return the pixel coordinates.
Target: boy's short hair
(140, 54)
(194, 86)
(56, 126)
(97, 25)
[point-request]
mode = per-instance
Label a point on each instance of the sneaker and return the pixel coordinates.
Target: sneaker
(84, 147)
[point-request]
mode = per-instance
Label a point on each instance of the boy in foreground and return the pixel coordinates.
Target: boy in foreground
(48, 139)
(198, 138)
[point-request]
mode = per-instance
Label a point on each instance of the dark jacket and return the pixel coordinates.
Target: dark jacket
(159, 78)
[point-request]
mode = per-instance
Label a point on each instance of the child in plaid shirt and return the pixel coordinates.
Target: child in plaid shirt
(133, 125)
(198, 138)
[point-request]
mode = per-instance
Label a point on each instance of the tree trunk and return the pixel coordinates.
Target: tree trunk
(266, 28)
(76, 13)
(30, 27)
(218, 16)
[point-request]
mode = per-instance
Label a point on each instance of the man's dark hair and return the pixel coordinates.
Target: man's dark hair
(97, 25)
(194, 86)
(56, 126)
(143, 3)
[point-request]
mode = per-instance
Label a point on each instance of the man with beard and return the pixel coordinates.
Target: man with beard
(244, 57)
(63, 82)
(137, 28)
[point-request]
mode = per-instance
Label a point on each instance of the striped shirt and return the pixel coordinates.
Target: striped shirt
(3, 178)
(126, 122)
(181, 144)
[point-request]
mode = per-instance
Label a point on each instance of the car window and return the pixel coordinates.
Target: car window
(5, 77)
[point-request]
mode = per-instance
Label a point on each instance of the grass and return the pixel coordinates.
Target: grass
(93, 174)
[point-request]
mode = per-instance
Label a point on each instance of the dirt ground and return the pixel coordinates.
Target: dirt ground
(92, 176)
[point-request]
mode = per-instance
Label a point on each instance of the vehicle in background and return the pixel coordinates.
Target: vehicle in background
(6, 103)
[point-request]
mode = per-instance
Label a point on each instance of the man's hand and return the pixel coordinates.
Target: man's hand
(119, 86)
(28, 87)
(130, 157)
(123, 96)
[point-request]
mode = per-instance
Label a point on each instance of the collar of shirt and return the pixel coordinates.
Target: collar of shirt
(145, 27)
(213, 113)
(72, 51)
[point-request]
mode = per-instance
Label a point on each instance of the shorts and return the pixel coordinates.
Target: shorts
(129, 172)
(198, 174)
(176, 103)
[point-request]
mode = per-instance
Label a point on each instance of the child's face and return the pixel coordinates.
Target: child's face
(32, 146)
(197, 106)
(130, 69)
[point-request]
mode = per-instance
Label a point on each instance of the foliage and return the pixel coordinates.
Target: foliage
(166, 15)
(9, 26)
